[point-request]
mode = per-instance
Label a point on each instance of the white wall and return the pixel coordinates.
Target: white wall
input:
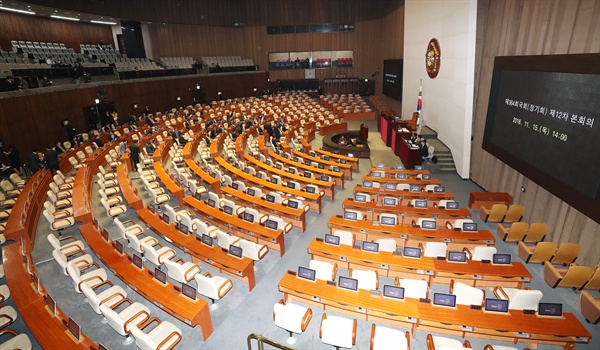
(447, 99)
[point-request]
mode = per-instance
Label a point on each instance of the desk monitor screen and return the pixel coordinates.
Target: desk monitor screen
(367, 184)
(310, 189)
(292, 204)
(401, 176)
(235, 186)
(380, 166)
(278, 166)
(469, 227)
(428, 224)
(348, 283)
(501, 259)
(376, 174)
(452, 205)
(228, 210)
(198, 196)
(343, 161)
(550, 309)
(418, 167)
(390, 187)
(188, 291)
(321, 166)
(399, 167)
(296, 159)
(439, 189)
(426, 177)
(119, 247)
(335, 169)
(272, 224)
(326, 158)
(270, 198)
(391, 201)
(312, 153)
(249, 217)
(393, 292)
(292, 170)
(307, 274)
(387, 220)
(421, 204)
(235, 251)
(274, 180)
(291, 185)
(206, 239)
(442, 299)
(250, 192)
(350, 215)
(307, 174)
(104, 234)
(184, 229)
(412, 252)
(165, 218)
(137, 261)
(359, 197)
(370, 246)
(160, 275)
(332, 239)
(152, 209)
(51, 303)
(211, 203)
(247, 171)
(415, 188)
(325, 178)
(457, 256)
(74, 329)
(496, 305)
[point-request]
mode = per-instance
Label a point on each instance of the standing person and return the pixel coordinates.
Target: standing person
(59, 148)
(23, 85)
(51, 160)
(15, 159)
(33, 161)
(424, 148)
(134, 152)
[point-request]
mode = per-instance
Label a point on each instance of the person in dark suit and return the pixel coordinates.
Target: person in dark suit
(148, 119)
(33, 161)
(99, 142)
(424, 148)
(112, 137)
(51, 160)
(134, 153)
(15, 159)
(59, 148)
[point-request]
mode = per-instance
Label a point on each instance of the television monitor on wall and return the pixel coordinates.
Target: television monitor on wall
(392, 78)
(549, 104)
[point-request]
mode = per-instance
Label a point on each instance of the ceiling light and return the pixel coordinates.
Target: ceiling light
(19, 11)
(67, 18)
(102, 22)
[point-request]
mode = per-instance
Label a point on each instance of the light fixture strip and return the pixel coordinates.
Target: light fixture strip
(102, 22)
(67, 18)
(17, 10)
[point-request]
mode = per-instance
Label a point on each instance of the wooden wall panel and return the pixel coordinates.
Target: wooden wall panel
(33, 28)
(530, 27)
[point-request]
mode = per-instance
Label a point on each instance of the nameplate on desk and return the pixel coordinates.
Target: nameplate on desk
(528, 312)
(291, 272)
(466, 328)
(475, 307)
(424, 300)
(319, 239)
(477, 277)
(375, 293)
(485, 261)
(331, 283)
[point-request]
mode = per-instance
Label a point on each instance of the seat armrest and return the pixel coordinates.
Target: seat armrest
(551, 275)
(263, 251)
(191, 272)
(524, 252)
(501, 231)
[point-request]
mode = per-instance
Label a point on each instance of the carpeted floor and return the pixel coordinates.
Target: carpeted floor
(241, 313)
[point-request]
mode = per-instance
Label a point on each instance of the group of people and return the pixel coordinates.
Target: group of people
(421, 142)
(10, 84)
(36, 160)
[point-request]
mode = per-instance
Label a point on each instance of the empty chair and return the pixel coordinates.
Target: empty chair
(122, 321)
(58, 224)
(17, 341)
(537, 232)
(414, 288)
(114, 210)
(494, 214)
(515, 233)
(110, 296)
(132, 228)
(444, 343)
(105, 175)
(367, 279)
(346, 237)
(8, 315)
(253, 250)
(66, 179)
(7, 203)
(589, 307)
(213, 287)
(204, 228)
(75, 163)
(62, 185)
(155, 252)
(164, 335)
(17, 181)
(135, 240)
(174, 216)
(181, 271)
(281, 225)
(519, 299)
(566, 253)
(62, 258)
(323, 270)
(113, 200)
(92, 278)
(107, 182)
(60, 194)
(224, 239)
(594, 282)
(466, 295)
(434, 249)
(256, 216)
(338, 331)
(58, 214)
(538, 254)
(481, 253)
(573, 276)
(67, 248)
(458, 224)
(9, 190)
(291, 317)
(109, 191)
(386, 244)
(159, 198)
(385, 338)
(4, 293)
(399, 187)
(514, 213)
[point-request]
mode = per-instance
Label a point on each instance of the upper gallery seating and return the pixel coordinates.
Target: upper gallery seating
(177, 62)
(227, 61)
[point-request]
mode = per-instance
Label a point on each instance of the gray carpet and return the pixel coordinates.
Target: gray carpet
(242, 313)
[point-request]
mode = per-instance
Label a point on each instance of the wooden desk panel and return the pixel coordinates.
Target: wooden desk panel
(351, 160)
(242, 269)
(487, 199)
(372, 210)
(129, 192)
(405, 196)
(411, 181)
(347, 168)
(338, 177)
(254, 232)
(169, 183)
(313, 200)
(411, 236)
(193, 313)
(391, 172)
(332, 128)
(81, 192)
(210, 181)
(296, 216)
